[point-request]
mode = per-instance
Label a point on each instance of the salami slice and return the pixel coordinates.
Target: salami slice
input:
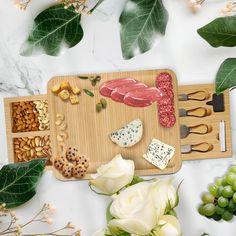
(167, 120)
(119, 93)
(166, 109)
(107, 87)
(164, 81)
(165, 101)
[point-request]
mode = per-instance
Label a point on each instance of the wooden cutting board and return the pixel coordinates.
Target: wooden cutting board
(89, 130)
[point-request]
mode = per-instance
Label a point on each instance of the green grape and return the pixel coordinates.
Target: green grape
(232, 206)
(231, 178)
(228, 191)
(223, 202)
(213, 189)
(224, 181)
(227, 216)
(219, 210)
(201, 210)
(220, 190)
(234, 186)
(232, 169)
(207, 198)
(234, 198)
(216, 217)
(218, 181)
(209, 209)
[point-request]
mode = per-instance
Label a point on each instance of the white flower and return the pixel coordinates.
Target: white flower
(100, 232)
(164, 195)
(113, 176)
(134, 210)
(168, 226)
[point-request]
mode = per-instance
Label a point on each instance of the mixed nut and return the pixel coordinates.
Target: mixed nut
(62, 134)
(30, 116)
(28, 148)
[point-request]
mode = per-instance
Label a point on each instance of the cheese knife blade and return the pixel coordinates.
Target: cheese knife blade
(186, 148)
(184, 131)
(182, 112)
(183, 97)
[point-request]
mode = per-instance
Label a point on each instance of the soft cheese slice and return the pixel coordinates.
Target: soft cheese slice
(159, 154)
(128, 135)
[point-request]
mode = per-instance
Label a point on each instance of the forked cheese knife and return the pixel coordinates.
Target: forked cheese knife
(196, 112)
(201, 147)
(197, 96)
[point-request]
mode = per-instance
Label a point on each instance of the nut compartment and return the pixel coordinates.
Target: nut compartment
(24, 135)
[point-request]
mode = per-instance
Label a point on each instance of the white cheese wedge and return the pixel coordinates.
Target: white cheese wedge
(159, 154)
(128, 135)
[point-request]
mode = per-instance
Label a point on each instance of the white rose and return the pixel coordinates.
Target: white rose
(100, 232)
(168, 226)
(134, 210)
(113, 176)
(164, 195)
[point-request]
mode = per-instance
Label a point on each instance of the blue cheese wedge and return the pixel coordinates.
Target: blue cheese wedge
(159, 154)
(128, 135)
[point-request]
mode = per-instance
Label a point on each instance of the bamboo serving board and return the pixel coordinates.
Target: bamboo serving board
(9, 124)
(89, 130)
(212, 120)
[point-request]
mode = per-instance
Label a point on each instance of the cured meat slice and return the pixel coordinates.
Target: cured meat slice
(164, 81)
(107, 87)
(119, 93)
(142, 97)
(165, 101)
(167, 120)
(166, 109)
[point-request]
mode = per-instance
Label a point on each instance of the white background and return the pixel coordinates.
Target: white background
(182, 50)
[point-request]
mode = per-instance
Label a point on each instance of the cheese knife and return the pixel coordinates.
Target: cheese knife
(196, 112)
(197, 96)
(201, 147)
(196, 129)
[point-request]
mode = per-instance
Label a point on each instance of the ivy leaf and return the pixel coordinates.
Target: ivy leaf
(220, 32)
(142, 22)
(54, 28)
(18, 182)
(226, 75)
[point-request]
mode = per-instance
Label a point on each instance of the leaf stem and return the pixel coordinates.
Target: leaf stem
(96, 5)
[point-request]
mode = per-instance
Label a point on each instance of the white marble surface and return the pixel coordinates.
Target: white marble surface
(182, 50)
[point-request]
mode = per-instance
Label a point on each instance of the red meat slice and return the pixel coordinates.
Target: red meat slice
(119, 93)
(142, 97)
(107, 87)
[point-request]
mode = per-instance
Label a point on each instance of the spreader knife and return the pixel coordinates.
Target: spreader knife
(201, 147)
(196, 112)
(197, 96)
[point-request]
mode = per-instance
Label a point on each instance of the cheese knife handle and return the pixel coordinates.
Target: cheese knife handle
(199, 96)
(199, 112)
(202, 147)
(200, 129)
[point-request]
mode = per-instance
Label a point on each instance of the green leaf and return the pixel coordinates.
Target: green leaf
(142, 22)
(226, 75)
(205, 234)
(18, 182)
(136, 180)
(54, 28)
(220, 32)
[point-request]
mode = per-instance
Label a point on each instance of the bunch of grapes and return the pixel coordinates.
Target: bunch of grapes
(220, 202)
